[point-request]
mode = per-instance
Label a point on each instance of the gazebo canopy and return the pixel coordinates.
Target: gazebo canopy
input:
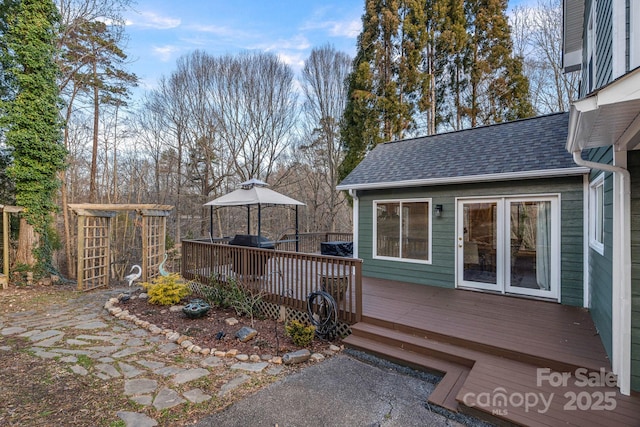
(253, 192)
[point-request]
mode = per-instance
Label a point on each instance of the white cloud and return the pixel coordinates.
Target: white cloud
(165, 53)
(297, 42)
(295, 60)
(348, 28)
(148, 19)
(218, 30)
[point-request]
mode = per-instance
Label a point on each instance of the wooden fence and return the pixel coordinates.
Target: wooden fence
(309, 243)
(282, 277)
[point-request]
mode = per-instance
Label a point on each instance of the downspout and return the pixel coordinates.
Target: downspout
(356, 211)
(621, 272)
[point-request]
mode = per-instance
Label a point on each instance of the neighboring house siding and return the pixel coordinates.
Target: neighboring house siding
(634, 168)
(600, 266)
(603, 49)
(604, 44)
(441, 272)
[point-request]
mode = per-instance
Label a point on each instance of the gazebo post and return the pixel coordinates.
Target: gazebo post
(210, 222)
(297, 233)
(248, 219)
(259, 220)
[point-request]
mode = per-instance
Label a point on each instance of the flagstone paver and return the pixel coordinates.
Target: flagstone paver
(121, 349)
(196, 395)
(134, 419)
(140, 386)
(12, 330)
(167, 398)
(190, 375)
(233, 384)
(250, 367)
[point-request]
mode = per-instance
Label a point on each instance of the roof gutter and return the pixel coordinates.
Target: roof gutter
(547, 173)
(621, 270)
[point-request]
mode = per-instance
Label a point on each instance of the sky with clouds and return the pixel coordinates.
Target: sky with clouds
(161, 31)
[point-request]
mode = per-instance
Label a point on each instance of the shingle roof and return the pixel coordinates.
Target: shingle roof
(522, 148)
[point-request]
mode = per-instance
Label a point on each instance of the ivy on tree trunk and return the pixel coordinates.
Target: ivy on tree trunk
(31, 120)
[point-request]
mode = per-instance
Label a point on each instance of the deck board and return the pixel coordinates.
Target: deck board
(483, 342)
(539, 328)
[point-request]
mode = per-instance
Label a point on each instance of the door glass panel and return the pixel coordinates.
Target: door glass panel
(480, 242)
(530, 253)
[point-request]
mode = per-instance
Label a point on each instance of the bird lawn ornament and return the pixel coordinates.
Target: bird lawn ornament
(163, 272)
(133, 276)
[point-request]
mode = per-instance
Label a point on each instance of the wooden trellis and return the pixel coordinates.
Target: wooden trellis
(154, 231)
(6, 210)
(94, 240)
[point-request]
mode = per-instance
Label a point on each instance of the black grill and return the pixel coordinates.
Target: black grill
(252, 240)
(254, 264)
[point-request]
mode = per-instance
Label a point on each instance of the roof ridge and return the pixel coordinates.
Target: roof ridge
(475, 128)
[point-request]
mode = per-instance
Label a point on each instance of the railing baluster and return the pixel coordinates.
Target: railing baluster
(285, 277)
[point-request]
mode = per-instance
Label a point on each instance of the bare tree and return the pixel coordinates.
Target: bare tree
(537, 36)
(325, 93)
(256, 107)
(77, 16)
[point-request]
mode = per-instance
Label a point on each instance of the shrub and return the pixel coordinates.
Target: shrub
(300, 334)
(166, 290)
(230, 294)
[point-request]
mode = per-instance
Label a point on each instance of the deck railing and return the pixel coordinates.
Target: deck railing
(282, 277)
(310, 242)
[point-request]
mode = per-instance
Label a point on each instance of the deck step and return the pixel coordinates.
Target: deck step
(457, 350)
(502, 390)
(418, 344)
(470, 376)
(447, 389)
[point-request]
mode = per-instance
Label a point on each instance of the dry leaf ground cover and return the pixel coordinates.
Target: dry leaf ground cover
(37, 391)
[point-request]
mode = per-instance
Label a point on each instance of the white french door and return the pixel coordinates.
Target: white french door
(509, 245)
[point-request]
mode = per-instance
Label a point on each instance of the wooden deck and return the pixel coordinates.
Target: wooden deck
(500, 356)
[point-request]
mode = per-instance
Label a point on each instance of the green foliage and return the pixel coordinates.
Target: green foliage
(166, 290)
(222, 294)
(424, 66)
(300, 334)
(30, 120)
(169, 242)
(231, 294)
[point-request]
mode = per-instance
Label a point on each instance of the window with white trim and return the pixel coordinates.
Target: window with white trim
(596, 214)
(402, 230)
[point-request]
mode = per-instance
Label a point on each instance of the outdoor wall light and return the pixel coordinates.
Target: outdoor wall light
(438, 211)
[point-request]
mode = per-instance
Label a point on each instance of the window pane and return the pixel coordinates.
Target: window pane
(599, 229)
(415, 230)
(388, 228)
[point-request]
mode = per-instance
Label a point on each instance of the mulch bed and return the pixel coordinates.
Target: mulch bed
(270, 340)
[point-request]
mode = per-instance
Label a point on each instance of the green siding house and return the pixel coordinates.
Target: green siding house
(602, 42)
(497, 208)
(545, 208)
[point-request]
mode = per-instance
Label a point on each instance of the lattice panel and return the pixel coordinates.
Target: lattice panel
(93, 237)
(272, 311)
(153, 245)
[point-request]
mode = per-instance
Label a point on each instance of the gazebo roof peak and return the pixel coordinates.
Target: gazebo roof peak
(253, 182)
